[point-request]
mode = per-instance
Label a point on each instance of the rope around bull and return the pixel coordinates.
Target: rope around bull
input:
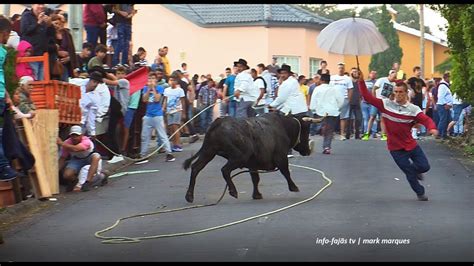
(129, 240)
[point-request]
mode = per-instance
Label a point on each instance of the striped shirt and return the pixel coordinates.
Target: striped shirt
(398, 119)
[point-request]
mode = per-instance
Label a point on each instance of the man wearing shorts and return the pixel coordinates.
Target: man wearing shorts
(344, 84)
(173, 104)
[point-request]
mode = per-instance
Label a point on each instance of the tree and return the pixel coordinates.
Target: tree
(329, 11)
(447, 65)
(382, 62)
(407, 15)
(460, 34)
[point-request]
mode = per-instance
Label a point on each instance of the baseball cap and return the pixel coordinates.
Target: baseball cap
(76, 130)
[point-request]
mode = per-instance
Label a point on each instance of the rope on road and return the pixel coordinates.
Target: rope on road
(128, 240)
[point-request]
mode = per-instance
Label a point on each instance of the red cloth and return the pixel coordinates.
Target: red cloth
(138, 79)
(93, 15)
(398, 120)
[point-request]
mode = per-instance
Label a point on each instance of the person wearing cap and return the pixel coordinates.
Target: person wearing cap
(245, 93)
(382, 89)
(343, 83)
(399, 116)
(80, 150)
(327, 100)
(89, 103)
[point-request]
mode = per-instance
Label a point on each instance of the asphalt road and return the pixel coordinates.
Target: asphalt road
(369, 213)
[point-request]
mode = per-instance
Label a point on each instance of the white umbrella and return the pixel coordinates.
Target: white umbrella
(352, 36)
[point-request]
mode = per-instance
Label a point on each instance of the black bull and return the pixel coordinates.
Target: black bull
(257, 143)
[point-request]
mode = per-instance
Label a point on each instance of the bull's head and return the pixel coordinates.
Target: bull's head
(305, 146)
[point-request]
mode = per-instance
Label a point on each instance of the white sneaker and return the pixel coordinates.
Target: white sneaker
(290, 156)
(116, 159)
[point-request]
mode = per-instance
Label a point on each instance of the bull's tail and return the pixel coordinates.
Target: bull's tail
(187, 162)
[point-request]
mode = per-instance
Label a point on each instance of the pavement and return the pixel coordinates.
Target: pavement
(369, 213)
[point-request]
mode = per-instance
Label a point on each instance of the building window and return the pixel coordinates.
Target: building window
(314, 66)
(292, 61)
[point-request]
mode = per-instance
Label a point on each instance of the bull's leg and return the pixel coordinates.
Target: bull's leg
(255, 179)
(226, 170)
(196, 167)
(286, 172)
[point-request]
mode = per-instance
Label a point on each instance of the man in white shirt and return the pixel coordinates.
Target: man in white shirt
(327, 101)
(443, 105)
(344, 84)
(89, 103)
(290, 99)
(244, 90)
(382, 89)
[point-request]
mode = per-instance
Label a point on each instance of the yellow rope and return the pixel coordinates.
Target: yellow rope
(125, 240)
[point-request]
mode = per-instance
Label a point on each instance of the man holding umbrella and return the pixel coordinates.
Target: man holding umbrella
(399, 116)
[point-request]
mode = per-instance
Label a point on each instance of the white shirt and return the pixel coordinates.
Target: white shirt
(444, 94)
(343, 83)
(290, 98)
(103, 93)
(380, 83)
(258, 83)
(111, 34)
(88, 104)
(326, 99)
(244, 84)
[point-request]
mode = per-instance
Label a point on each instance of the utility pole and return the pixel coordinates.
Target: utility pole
(75, 24)
(422, 41)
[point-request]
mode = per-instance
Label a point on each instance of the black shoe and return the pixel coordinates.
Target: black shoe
(420, 176)
(105, 180)
(170, 158)
(422, 198)
(86, 186)
(7, 174)
(71, 184)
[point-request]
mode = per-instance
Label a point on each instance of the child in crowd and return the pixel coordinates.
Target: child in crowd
(173, 104)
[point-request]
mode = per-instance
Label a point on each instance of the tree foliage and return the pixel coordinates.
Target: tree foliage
(407, 15)
(460, 34)
(382, 62)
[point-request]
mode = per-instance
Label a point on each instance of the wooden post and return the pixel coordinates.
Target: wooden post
(41, 181)
(45, 127)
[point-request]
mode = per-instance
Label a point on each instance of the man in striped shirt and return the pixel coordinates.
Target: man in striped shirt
(399, 116)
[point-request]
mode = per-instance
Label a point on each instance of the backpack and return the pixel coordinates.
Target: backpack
(264, 82)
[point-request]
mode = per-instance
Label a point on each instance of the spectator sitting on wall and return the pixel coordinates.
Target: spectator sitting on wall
(98, 59)
(23, 92)
(83, 60)
(139, 59)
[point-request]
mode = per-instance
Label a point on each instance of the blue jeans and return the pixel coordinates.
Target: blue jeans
(149, 123)
(366, 116)
(92, 33)
(418, 164)
(444, 118)
(3, 160)
(244, 109)
(124, 32)
(206, 119)
(459, 126)
(38, 70)
(232, 108)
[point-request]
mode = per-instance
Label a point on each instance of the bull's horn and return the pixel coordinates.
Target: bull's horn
(313, 120)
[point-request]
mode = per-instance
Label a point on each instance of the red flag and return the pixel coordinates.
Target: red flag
(138, 79)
